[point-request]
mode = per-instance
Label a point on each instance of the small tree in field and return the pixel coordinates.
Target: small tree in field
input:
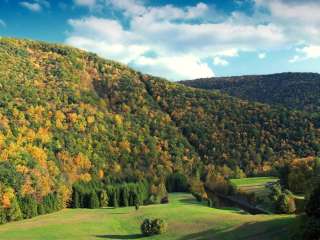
(153, 227)
(146, 227)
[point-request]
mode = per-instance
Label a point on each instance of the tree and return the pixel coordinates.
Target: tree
(29, 207)
(76, 203)
(152, 227)
(94, 200)
(285, 204)
(313, 204)
(104, 199)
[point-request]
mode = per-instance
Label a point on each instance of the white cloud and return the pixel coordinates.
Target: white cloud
(305, 53)
(35, 7)
(299, 19)
(112, 41)
(218, 61)
(194, 33)
(175, 67)
(2, 23)
(262, 55)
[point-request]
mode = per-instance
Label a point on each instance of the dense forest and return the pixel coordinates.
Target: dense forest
(233, 132)
(68, 116)
(292, 90)
(71, 121)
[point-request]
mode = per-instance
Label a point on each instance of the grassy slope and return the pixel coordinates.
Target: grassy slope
(254, 185)
(253, 181)
(187, 220)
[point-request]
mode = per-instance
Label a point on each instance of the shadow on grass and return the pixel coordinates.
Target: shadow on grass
(114, 236)
(268, 230)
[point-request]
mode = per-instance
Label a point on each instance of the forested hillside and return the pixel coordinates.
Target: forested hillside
(292, 90)
(227, 130)
(67, 116)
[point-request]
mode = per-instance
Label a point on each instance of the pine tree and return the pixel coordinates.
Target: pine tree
(94, 200)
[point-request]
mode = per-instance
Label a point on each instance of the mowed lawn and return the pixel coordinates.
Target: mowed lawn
(256, 185)
(186, 218)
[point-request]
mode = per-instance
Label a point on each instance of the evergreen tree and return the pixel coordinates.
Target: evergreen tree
(94, 200)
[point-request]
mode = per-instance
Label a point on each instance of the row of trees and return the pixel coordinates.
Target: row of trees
(299, 174)
(13, 208)
(87, 195)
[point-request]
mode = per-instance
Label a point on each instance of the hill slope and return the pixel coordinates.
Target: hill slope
(292, 90)
(186, 218)
(227, 130)
(68, 116)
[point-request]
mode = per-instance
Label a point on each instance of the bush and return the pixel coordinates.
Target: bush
(159, 226)
(165, 200)
(285, 204)
(146, 227)
(153, 227)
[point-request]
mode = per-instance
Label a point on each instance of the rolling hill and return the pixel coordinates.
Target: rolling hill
(68, 116)
(187, 220)
(292, 90)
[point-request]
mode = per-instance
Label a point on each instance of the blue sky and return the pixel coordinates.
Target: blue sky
(178, 39)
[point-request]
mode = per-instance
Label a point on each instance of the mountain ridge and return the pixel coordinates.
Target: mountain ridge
(294, 90)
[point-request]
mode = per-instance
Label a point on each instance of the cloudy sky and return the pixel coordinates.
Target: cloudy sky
(178, 39)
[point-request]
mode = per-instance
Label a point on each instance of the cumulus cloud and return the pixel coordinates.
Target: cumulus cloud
(305, 53)
(299, 19)
(192, 34)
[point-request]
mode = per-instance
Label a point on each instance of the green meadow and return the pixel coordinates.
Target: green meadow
(186, 218)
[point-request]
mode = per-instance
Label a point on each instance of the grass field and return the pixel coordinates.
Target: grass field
(256, 185)
(253, 181)
(186, 218)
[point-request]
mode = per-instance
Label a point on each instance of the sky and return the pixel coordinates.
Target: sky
(176, 39)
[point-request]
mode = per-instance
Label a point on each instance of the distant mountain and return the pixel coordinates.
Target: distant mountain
(68, 116)
(292, 90)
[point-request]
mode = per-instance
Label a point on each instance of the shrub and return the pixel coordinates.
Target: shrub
(153, 227)
(159, 226)
(165, 200)
(146, 227)
(285, 204)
